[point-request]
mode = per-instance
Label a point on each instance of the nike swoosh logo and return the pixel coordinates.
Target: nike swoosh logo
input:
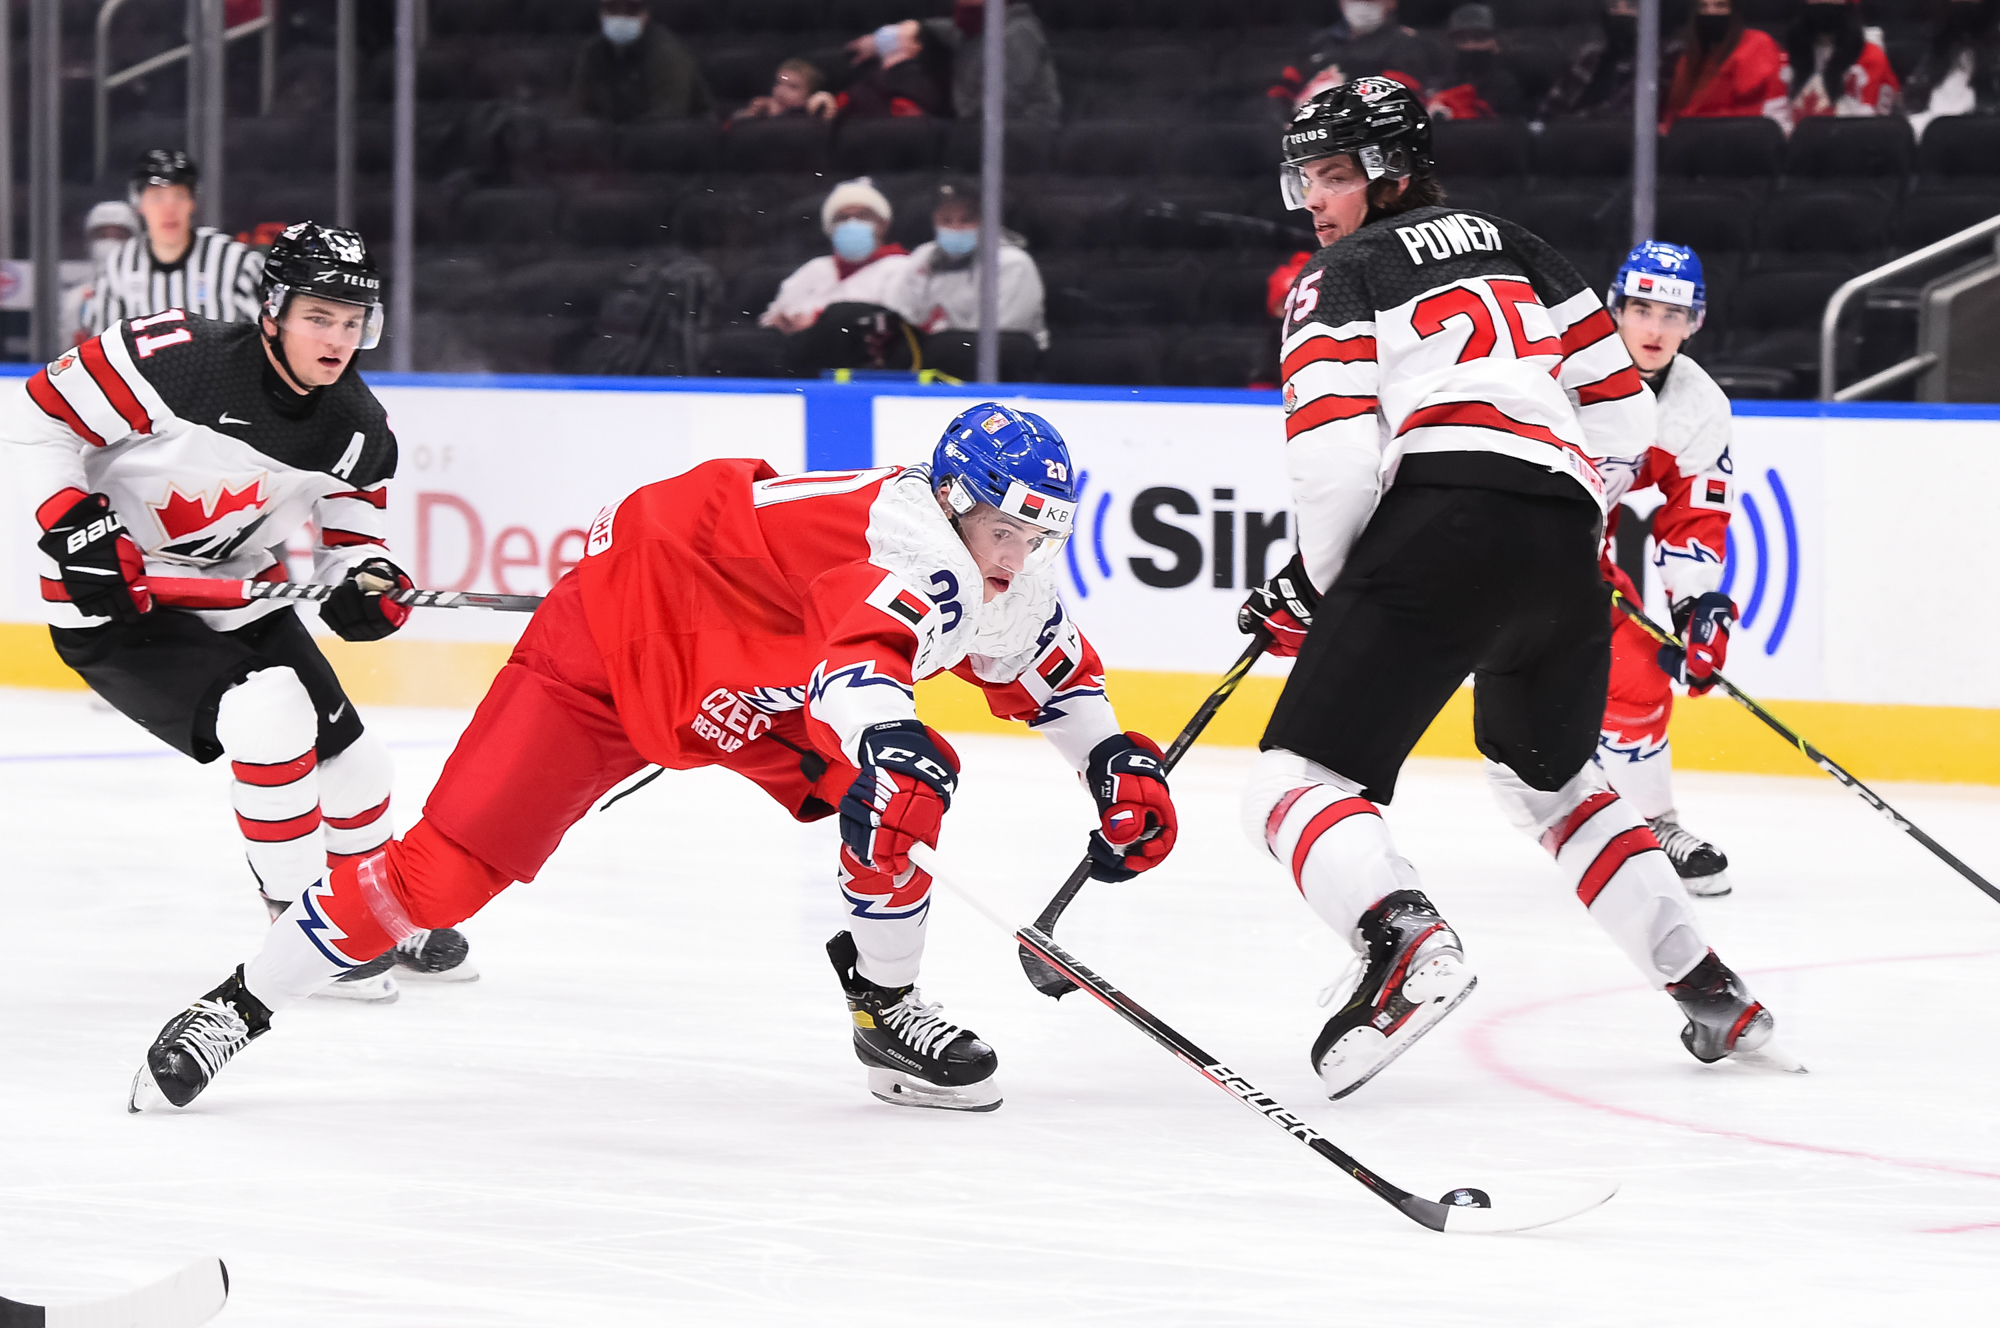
(227, 418)
(338, 711)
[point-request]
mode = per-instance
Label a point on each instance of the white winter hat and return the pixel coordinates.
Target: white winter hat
(854, 193)
(112, 212)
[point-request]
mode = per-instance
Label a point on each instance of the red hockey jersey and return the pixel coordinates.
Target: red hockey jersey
(730, 594)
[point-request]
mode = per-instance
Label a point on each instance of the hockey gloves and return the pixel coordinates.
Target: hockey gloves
(1283, 607)
(1136, 826)
(357, 609)
(1703, 625)
(908, 774)
(103, 572)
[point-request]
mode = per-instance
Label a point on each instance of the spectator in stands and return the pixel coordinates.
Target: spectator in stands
(1600, 80)
(1366, 40)
(1959, 71)
(938, 289)
(793, 90)
(105, 230)
(1727, 69)
(1480, 86)
(634, 69)
(1835, 66)
(862, 269)
(1033, 95)
(899, 69)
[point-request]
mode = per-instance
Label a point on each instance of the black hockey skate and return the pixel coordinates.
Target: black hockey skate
(1724, 1021)
(196, 1043)
(1416, 975)
(372, 982)
(1702, 867)
(915, 1057)
(437, 955)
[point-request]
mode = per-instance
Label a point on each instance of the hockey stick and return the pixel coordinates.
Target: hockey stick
(1045, 979)
(192, 1296)
(1462, 1211)
(196, 592)
(1812, 753)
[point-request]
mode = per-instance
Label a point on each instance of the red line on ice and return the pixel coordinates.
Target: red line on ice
(1482, 1040)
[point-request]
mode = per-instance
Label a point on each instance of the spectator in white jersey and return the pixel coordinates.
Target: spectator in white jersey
(937, 291)
(105, 229)
(175, 264)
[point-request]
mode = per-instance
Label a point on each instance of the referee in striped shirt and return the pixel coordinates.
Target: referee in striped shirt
(174, 264)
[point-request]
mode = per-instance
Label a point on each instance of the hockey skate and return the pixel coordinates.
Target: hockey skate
(1416, 975)
(438, 955)
(373, 982)
(1724, 1021)
(915, 1057)
(1703, 869)
(196, 1043)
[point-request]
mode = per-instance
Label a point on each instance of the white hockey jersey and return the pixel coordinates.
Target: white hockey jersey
(1690, 465)
(212, 464)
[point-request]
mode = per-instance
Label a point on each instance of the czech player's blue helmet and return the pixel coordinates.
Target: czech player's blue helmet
(1666, 273)
(1012, 460)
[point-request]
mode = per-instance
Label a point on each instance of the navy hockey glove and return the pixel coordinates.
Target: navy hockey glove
(1283, 607)
(356, 610)
(1136, 826)
(1703, 625)
(103, 572)
(908, 774)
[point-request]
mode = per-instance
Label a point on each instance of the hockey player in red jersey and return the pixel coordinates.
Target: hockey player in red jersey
(1454, 394)
(171, 444)
(772, 625)
(1657, 299)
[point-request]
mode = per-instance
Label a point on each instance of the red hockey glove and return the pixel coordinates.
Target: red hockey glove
(103, 572)
(908, 774)
(356, 610)
(1283, 606)
(1703, 625)
(1135, 816)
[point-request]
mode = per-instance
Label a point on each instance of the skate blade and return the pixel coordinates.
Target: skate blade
(381, 989)
(1769, 1056)
(465, 972)
(146, 1094)
(1354, 1060)
(903, 1090)
(1708, 887)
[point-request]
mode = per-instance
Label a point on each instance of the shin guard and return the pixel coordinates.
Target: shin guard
(1332, 840)
(354, 799)
(267, 727)
(886, 916)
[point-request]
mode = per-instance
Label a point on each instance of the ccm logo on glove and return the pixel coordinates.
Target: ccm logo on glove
(908, 774)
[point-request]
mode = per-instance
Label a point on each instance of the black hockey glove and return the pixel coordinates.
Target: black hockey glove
(1136, 825)
(357, 611)
(1283, 607)
(908, 774)
(103, 572)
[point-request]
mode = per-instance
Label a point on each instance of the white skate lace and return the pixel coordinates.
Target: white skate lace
(920, 1025)
(413, 944)
(215, 1034)
(1679, 844)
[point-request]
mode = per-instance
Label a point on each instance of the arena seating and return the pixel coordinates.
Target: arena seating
(1152, 208)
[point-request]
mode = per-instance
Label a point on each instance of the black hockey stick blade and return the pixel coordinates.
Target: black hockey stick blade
(1450, 1218)
(192, 1296)
(1045, 979)
(1815, 755)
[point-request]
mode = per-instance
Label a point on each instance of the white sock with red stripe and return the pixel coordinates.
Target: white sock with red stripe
(1604, 848)
(354, 797)
(1332, 840)
(267, 728)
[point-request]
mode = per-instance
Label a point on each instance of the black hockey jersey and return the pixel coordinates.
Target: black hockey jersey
(212, 463)
(1454, 337)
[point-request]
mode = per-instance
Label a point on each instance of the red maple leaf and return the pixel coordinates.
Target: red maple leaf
(181, 515)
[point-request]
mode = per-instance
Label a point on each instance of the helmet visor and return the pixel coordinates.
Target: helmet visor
(279, 296)
(1295, 184)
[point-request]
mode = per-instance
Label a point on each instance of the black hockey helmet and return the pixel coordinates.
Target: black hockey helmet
(1376, 120)
(167, 166)
(330, 262)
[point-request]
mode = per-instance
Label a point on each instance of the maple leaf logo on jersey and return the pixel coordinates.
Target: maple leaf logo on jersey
(182, 515)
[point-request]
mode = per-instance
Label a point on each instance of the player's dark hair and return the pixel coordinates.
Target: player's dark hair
(1385, 200)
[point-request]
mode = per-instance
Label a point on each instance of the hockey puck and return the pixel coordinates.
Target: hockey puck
(1466, 1199)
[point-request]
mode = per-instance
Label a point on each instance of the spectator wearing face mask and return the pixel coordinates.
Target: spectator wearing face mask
(105, 229)
(938, 290)
(634, 69)
(1033, 93)
(1727, 69)
(1959, 71)
(1480, 86)
(1835, 66)
(862, 269)
(897, 70)
(1600, 80)
(792, 90)
(1366, 40)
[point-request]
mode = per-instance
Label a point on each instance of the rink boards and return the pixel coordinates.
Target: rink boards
(1859, 553)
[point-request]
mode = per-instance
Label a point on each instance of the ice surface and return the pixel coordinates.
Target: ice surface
(647, 1112)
